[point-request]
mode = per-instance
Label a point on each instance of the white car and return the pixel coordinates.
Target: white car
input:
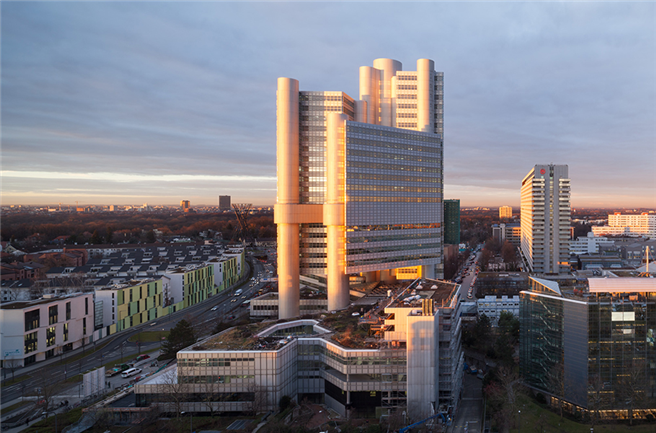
(214, 308)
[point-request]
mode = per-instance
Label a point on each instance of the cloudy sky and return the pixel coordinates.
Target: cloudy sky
(119, 103)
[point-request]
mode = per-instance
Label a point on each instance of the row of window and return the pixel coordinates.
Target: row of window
(363, 262)
(390, 177)
(392, 167)
(386, 249)
(361, 199)
(394, 156)
(392, 188)
(405, 145)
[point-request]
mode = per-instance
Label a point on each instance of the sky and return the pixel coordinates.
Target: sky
(155, 102)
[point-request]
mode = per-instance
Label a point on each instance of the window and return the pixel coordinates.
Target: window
(31, 320)
(31, 341)
(52, 315)
(65, 331)
(68, 311)
(84, 326)
(86, 306)
(50, 336)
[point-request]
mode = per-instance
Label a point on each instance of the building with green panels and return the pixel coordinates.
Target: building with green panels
(452, 222)
(130, 304)
(594, 350)
(189, 285)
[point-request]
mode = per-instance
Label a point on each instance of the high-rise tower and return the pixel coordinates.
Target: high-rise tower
(546, 219)
(359, 181)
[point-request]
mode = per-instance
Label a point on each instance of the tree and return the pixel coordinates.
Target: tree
(11, 365)
(509, 325)
(502, 395)
(181, 336)
(150, 237)
(509, 255)
(482, 331)
(633, 387)
(95, 238)
(175, 391)
(110, 235)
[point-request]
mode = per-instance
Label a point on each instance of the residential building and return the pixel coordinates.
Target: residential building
(505, 212)
(37, 330)
(359, 181)
(126, 305)
(620, 224)
(224, 202)
(589, 244)
(189, 285)
(593, 350)
(546, 219)
(511, 232)
(413, 362)
(452, 222)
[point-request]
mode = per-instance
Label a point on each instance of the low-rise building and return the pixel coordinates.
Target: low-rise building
(620, 224)
(589, 244)
(493, 306)
(411, 360)
(37, 330)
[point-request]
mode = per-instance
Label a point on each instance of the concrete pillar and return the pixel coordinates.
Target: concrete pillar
(361, 111)
(425, 98)
(288, 193)
(389, 69)
(370, 92)
(334, 213)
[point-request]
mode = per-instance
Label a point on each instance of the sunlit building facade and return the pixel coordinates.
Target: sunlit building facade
(546, 219)
(505, 212)
(359, 181)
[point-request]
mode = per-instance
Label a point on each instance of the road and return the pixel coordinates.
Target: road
(118, 345)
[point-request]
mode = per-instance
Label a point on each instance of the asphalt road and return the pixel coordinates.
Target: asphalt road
(118, 345)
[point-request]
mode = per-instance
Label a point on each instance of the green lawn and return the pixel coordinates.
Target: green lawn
(149, 336)
(536, 419)
(15, 381)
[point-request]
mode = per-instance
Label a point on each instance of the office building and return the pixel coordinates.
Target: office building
(224, 202)
(511, 232)
(589, 244)
(185, 205)
(505, 212)
(359, 181)
(412, 363)
(37, 330)
(620, 224)
(452, 222)
(546, 219)
(592, 350)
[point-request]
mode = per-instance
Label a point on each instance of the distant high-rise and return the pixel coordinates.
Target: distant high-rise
(505, 212)
(546, 219)
(185, 205)
(452, 222)
(359, 182)
(224, 202)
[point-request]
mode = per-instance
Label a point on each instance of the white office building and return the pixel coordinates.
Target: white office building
(589, 244)
(359, 181)
(36, 330)
(546, 219)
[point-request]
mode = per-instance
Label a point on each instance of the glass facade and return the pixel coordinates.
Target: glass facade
(393, 198)
(597, 351)
(452, 222)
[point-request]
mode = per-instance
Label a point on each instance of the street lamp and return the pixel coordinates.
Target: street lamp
(519, 417)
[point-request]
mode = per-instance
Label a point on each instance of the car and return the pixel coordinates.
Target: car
(233, 300)
(142, 357)
(214, 308)
(243, 297)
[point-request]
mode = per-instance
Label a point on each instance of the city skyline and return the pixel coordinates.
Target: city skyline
(106, 103)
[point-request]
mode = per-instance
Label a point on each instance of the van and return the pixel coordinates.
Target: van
(130, 372)
(238, 292)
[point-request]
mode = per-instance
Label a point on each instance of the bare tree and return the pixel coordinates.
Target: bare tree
(175, 390)
(596, 400)
(503, 397)
(45, 390)
(11, 365)
(633, 387)
(260, 398)
(558, 385)
(208, 391)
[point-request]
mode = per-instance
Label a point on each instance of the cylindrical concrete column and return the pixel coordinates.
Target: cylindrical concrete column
(393, 102)
(361, 114)
(389, 69)
(425, 98)
(288, 193)
(334, 213)
(370, 91)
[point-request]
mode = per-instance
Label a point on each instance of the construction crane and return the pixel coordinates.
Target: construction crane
(241, 211)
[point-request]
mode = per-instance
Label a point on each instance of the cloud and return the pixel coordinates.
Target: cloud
(188, 89)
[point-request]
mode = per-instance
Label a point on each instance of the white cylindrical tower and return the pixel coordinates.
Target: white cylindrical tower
(288, 194)
(425, 95)
(370, 91)
(389, 69)
(334, 212)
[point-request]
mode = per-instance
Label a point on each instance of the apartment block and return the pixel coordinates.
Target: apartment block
(546, 219)
(620, 224)
(131, 304)
(505, 212)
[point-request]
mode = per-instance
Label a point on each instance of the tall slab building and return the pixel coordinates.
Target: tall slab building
(546, 219)
(359, 182)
